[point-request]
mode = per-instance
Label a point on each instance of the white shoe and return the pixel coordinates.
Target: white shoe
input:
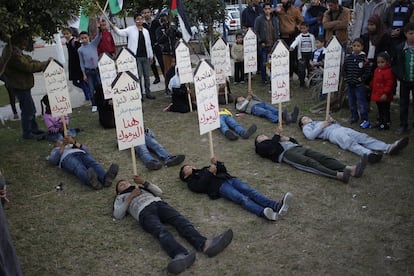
(284, 204)
(94, 108)
(270, 214)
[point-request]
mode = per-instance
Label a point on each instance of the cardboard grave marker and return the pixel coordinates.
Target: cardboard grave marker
(280, 73)
(107, 71)
(57, 89)
(331, 72)
(219, 56)
(126, 62)
(185, 70)
(250, 55)
(207, 102)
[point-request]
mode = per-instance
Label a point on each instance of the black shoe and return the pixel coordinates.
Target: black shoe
(181, 262)
(361, 165)
(38, 132)
(219, 243)
(374, 157)
(353, 120)
(153, 165)
(286, 117)
(398, 145)
(346, 174)
(249, 132)
(294, 115)
(401, 130)
(156, 81)
(93, 179)
(150, 97)
(174, 160)
(110, 175)
(283, 204)
(231, 135)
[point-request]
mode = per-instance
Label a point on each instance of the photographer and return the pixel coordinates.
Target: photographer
(167, 36)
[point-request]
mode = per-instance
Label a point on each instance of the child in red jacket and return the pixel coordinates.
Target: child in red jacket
(382, 86)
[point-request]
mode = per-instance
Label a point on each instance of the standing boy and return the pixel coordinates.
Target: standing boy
(237, 54)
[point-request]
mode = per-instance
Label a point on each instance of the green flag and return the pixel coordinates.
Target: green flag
(84, 20)
(115, 6)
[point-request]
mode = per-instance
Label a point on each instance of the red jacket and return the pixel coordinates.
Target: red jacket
(107, 44)
(382, 83)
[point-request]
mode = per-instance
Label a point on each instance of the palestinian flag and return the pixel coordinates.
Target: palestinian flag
(115, 6)
(177, 9)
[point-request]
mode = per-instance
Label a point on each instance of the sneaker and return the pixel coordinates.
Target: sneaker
(16, 116)
(231, 135)
(285, 117)
(242, 82)
(110, 175)
(94, 108)
(361, 165)
(156, 81)
(249, 132)
(153, 165)
(346, 174)
(398, 145)
(294, 115)
(93, 179)
(374, 157)
(283, 205)
(365, 124)
(219, 243)
(174, 160)
(150, 97)
(401, 130)
(236, 83)
(181, 262)
(168, 108)
(270, 214)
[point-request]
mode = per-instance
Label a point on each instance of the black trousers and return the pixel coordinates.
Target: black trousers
(152, 220)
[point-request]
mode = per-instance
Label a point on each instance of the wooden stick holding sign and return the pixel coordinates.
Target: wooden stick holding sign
(57, 91)
(207, 101)
(331, 70)
(185, 70)
(280, 75)
(126, 98)
(250, 55)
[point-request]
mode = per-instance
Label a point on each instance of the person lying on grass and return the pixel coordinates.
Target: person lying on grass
(216, 182)
(144, 204)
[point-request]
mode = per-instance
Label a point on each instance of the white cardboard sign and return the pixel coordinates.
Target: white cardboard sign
(250, 52)
(183, 61)
(126, 98)
(280, 73)
(126, 61)
(57, 89)
(206, 94)
(332, 65)
(107, 71)
(219, 55)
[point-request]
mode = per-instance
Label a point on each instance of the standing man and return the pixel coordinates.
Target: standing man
(151, 26)
(139, 43)
(107, 43)
(336, 21)
(248, 17)
(19, 78)
(266, 27)
(290, 19)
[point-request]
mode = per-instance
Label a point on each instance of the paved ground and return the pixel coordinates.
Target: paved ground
(76, 94)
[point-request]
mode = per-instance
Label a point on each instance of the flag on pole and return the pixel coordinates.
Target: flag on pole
(84, 20)
(177, 9)
(116, 6)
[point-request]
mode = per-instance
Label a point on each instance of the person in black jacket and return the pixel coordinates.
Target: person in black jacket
(281, 148)
(216, 182)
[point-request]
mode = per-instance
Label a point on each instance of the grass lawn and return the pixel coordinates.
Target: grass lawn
(363, 228)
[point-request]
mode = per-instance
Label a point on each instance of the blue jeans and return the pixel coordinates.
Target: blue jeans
(152, 145)
(78, 163)
(53, 137)
(144, 69)
(28, 112)
(264, 51)
(84, 86)
(357, 94)
(266, 110)
(228, 122)
(152, 218)
(239, 192)
(93, 80)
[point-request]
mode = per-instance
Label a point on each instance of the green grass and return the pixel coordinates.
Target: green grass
(364, 228)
